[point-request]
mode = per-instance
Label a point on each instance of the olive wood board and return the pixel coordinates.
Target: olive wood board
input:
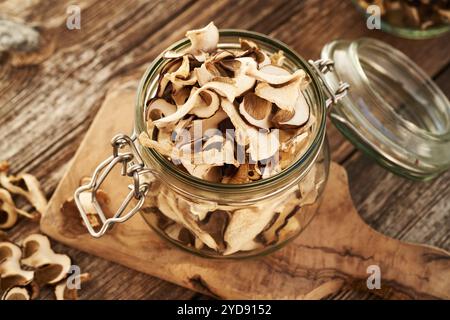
(335, 250)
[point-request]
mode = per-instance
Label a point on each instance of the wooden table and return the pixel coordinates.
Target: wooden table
(45, 109)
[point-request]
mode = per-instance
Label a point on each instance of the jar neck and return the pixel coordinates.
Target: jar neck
(191, 186)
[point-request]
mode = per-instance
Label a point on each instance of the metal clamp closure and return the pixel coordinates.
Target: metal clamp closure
(322, 67)
(132, 166)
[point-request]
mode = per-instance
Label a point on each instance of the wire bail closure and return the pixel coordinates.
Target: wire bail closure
(322, 67)
(132, 166)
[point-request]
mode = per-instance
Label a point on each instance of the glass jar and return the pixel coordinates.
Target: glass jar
(234, 221)
(410, 19)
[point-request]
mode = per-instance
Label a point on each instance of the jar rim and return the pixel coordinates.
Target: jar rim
(304, 161)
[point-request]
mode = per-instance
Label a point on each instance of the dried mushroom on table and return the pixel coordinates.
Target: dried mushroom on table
(27, 267)
(25, 186)
(30, 264)
(229, 116)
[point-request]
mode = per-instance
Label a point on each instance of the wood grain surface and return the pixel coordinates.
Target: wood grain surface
(46, 108)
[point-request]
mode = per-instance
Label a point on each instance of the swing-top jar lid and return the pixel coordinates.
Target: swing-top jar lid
(393, 112)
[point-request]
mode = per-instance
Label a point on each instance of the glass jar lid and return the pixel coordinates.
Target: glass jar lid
(393, 111)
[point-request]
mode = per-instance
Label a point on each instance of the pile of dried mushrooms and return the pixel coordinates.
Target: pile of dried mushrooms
(221, 113)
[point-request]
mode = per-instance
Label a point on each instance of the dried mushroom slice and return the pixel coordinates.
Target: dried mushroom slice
(63, 292)
(215, 224)
(248, 45)
(178, 211)
(182, 72)
(274, 75)
(50, 267)
(291, 227)
(166, 148)
(157, 217)
(8, 213)
(225, 87)
(201, 127)
(220, 55)
(91, 212)
(293, 119)
(285, 96)
(178, 84)
(11, 273)
(207, 104)
(180, 96)
(159, 108)
(251, 49)
(173, 231)
(244, 226)
(444, 13)
(206, 73)
(201, 210)
(271, 235)
(308, 187)
(207, 172)
(256, 111)
(163, 83)
(180, 234)
(411, 12)
(182, 110)
(240, 176)
(167, 204)
(292, 148)
(262, 145)
(217, 151)
(244, 82)
(270, 168)
(186, 237)
(27, 186)
(292, 142)
(229, 67)
(16, 293)
(277, 59)
(202, 41)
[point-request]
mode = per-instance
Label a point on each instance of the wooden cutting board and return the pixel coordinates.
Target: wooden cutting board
(336, 249)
